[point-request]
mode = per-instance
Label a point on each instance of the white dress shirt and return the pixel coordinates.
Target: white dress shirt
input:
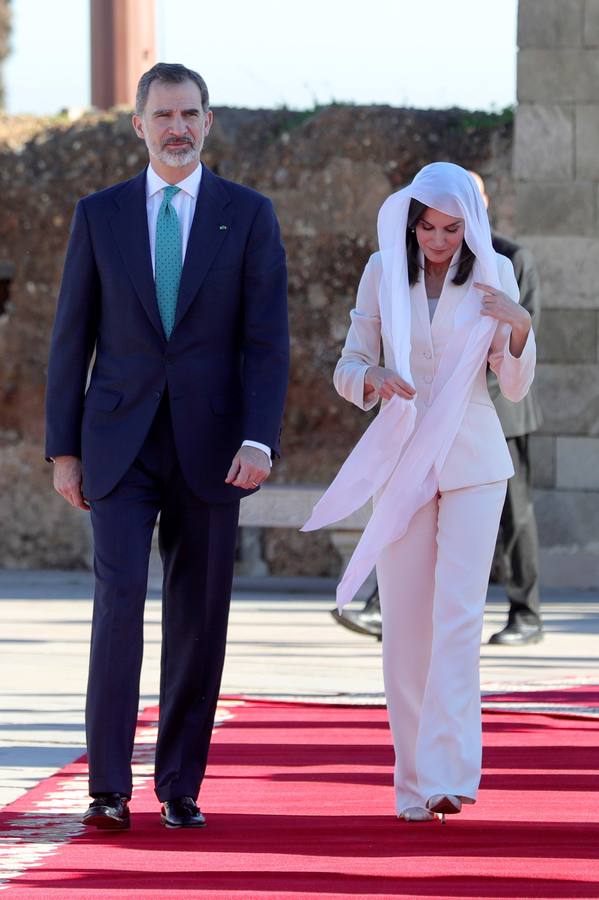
(184, 204)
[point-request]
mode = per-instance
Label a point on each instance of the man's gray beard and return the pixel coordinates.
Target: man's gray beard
(180, 159)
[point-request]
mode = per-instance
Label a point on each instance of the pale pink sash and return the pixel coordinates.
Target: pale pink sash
(400, 462)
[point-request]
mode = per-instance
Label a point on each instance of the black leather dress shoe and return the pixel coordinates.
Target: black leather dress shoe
(516, 634)
(181, 812)
(108, 811)
(363, 621)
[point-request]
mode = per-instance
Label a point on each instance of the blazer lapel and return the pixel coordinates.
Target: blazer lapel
(210, 227)
(130, 229)
(420, 307)
(450, 300)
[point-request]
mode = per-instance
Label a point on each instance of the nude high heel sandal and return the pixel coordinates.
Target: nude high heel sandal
(416, 814)
(444, 804)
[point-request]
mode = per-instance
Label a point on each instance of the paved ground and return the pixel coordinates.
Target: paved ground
(281, 644)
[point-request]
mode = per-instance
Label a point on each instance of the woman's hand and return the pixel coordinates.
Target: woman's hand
(386, 383)
(499, 306)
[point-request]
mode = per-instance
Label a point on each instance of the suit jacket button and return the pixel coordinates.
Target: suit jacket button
(156, 395)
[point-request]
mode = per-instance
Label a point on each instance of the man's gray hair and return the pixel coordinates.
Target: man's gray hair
(169, 73)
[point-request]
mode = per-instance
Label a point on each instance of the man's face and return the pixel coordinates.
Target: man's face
(173, 124)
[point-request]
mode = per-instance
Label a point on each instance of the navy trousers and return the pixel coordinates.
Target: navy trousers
(197, 545)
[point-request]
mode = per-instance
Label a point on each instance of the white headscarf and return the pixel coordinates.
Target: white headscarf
(451, 190)
(401, 463)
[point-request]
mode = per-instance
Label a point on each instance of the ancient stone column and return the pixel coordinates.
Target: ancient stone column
(123, 45)
(5, 29)
(556, 166)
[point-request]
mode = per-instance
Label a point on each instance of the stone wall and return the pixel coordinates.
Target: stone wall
(556, 167)
(327, 171)
(5, 32)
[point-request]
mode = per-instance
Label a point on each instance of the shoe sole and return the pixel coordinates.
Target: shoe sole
(353, 626)
(106, 823)
(536, 639)
(168, 824)
(410, 821)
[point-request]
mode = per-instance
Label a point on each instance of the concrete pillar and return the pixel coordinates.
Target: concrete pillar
(123, 45)
(556, 167)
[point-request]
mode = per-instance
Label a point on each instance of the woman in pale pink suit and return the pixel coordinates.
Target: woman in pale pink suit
(443, 305)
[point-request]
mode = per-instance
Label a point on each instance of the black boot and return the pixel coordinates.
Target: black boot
(517, 632)
(364, 621)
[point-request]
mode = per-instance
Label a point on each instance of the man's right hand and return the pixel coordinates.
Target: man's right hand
(67, 480)
(386, 383)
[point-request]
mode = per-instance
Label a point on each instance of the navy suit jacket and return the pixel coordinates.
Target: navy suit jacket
(225, 365)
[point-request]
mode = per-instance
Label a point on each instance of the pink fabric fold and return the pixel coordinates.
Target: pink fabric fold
(369, 465)
(401, 462)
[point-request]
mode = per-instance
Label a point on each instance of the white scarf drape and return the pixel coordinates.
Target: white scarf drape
(393, 457)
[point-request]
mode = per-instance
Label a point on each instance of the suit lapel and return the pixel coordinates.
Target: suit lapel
(420, 307)
(209, 229)
(130, 229)
(449, 301)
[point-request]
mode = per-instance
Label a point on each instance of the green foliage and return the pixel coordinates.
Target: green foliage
(477, 119)
(296, 117)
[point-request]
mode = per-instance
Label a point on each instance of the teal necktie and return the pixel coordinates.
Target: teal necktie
(168, 262)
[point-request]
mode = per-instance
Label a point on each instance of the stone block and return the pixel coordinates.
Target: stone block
(587, 141)
(577, 464)
(576, 569)
(591, 23)
(568, 269)
(289, 506)
(567, 336)
(546, 207)
(568, 520)
(542, 460)
(550, 23)
(544, 142)
(250, 560)
(558, 76)
(569, 398)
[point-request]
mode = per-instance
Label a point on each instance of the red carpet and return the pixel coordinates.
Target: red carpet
(582, 698)
(299, 804)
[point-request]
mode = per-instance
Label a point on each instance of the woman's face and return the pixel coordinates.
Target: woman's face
(439, 235)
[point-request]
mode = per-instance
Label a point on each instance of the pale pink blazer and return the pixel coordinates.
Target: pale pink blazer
(479, 454)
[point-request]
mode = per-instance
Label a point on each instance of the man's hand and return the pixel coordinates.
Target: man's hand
(67, 480)
(250, 467)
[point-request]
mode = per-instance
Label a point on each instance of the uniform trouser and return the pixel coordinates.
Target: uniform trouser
(433, 585)
(519, 540)
(197, 545)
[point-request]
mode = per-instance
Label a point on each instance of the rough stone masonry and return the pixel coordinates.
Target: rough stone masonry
(327, 170)
(556, 167)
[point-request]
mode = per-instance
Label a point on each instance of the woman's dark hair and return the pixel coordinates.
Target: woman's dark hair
(466, 261)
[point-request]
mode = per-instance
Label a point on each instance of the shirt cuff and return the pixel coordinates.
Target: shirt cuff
(260, 446)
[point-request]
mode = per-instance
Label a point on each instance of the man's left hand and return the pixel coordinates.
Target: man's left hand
(250, 467)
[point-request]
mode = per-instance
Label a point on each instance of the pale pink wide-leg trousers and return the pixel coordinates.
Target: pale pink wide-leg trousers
(433, 585)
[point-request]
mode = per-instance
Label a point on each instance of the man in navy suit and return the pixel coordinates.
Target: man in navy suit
(175, 287)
